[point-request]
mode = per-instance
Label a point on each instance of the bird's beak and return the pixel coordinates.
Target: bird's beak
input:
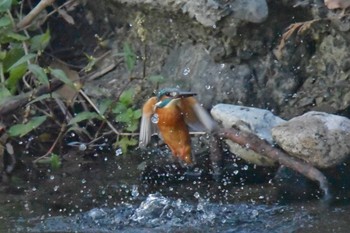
(185, 94)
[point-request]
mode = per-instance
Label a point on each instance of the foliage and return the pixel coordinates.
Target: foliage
(53, 160)
(125, 142)
(21, 71)
(19, 55)
(128, 116)
(125, 113)
(23, 129)
(129, 57)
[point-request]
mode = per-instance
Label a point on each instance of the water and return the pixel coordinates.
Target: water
(109, 196)
(160, 214)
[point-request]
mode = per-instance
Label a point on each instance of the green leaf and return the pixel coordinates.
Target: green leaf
(22, 129)
(129, 57)
(55, 161)
(59, 74)
(4, 92)
(39, 73)
(137, 114)
(130, 118)
(12, 56)
(16, 36)
(23, 59)
(16, 74)
(2, 55)
(40, 42)
(104, 105)
(1, 71)
(125, 142)
(5, 21)
(127, 97)
(5, 5)
(132, 126)
(82, 116)
(126, 116)
(119, 108)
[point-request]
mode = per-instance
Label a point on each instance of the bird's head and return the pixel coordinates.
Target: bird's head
(169, 96)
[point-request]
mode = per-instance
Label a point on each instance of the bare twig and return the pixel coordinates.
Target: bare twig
(102, 72)
(103, 117)
(34, 13)
(264, 148)
(62, 131)
(59, 8)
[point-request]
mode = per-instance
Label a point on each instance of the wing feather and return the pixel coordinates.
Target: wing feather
(196, 117)
(147, 128)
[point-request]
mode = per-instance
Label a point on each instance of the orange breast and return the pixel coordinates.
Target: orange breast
(175, 132)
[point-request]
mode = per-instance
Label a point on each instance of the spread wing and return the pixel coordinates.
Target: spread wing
(196, 117)
(147, 128)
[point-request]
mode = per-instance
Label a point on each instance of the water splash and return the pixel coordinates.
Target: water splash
(186, 71)
(161, 214)
(155, 118)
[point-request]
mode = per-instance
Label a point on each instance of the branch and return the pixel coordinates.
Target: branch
(28, 19)
(12, 103)
(264, 148)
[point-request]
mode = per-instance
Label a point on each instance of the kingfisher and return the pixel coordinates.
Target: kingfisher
(173, 114)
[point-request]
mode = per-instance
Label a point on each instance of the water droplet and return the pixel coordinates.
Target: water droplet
(118, 152)
(186, 71)
(208, 87)
(170, 213)
(155, 118)
(196, 195)
(56, 188)
(134, 191)
(255, 213)
(178, 202)
(52, 177)
(83, 181)
(82, 147)
(200, 206)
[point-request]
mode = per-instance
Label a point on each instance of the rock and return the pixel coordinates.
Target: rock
(253, 120)
(190, 67)
(318, 138)
(255, 11)
(326, 71)
(337, 4)
(210, 12)
(229, 60)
